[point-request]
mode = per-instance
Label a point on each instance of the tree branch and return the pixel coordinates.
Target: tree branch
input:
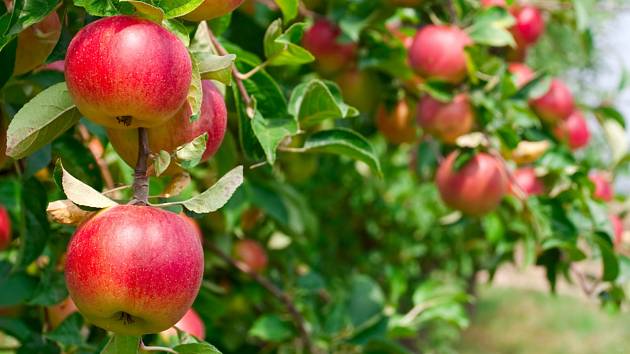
(97, 152)
(298, 319)
(140, 179)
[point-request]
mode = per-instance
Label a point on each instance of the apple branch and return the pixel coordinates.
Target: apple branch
(97, 153)
(140, 178)
(298, 319)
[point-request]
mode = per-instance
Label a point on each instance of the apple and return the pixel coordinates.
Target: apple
(603, 187)
(195, 225)
(178, 130)
(57, 65)
(322, 40)
(191, 323)
(360, 89)
(36, 42)
(126, 72)
(522, 73)
(210, 9)
(555, 105)
(134, 270)
(446, 121)
(529, 25)
(5, 228)
(59, 312)
(437, 52)
(617, 226)
(397, 125)
(251, 254)
(491, 3)
(476, 188)
(574, 130)
(526, 179)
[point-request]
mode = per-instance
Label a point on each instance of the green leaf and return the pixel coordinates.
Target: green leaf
(179, 29)
(581, 14)
(34, 227)
(147, 10)
(161, 162)
(22, 286)
(122, 345)
(315, 101)
(195, 93)
(440, 90)
(196, 348)
(190, 154)
(271, 132)
(609, 259)
(103, 8)
(282, 48)
(535, 88)
(176, 8)
(51, 289)
(289, 8)
(366, 299)
(216, 196)
(271, 328)
(215, 67)
(344, 142)
(41, 120)
(82, 194)
(491, 26)
(69, 331)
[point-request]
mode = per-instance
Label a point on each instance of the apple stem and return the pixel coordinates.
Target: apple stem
(140, 179)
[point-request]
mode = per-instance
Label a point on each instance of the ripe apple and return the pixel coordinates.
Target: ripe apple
(556, 104)
(529, 25)
(526, 179)
(574, 130)
(134, 270)
(5, 228)
(252, 254)
(192, 222)
(476, 188)
(360, 89)
(491, 3)
(522, 73)
(57, 65)
(59, 312)
(322, 40)
(437, 52)
(446, 121)
(127, 72)
(397, 125)
(210, 9)
(191, 323)
(36, 42)
(178, 130)
(603, 187)
(617, 225)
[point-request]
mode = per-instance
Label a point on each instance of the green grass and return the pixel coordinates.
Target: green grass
(514, 321)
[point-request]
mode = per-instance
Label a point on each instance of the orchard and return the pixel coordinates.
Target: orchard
(284, 176)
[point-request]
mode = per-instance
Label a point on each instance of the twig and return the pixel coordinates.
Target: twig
(156, 349)
(451, 12)
(588, 290)
(140, 179)
(298, 319)
(117, 189)
(98, 156)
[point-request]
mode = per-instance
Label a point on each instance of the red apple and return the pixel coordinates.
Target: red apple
(134, 270)
(127, 72)
(57, 65)
(574, 131)
(322, 40)
(556, 104)
(446, 121)
(529, 25)
(210, 9)
(360, 89)
(476, 188)
(603, 187)
(491, 3)
(36, 42)
(522, 73)
(437, 52)
(191, 323)
(526, 179)
(179, 130)
(59, 312)
(252, 254)
(617, 225)
(5, 228)
(397, 125)
(192, 222)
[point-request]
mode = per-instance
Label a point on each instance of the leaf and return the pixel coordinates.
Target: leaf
(617, 139)
(22, 286)
(122, 345)
(344, 142)
(179, 29)
(440, 90)
(177, 8)
(215, 67)
(69, 331)
(82, 194)
(190, 154)
(535, 88)
(289, 8)
(41, 120)
(147, 10)
(196, 348)
(216, 196)
(366, 299)
(317, 100)
(102, 8)
(491, 26)
(282, 48)
(271, 132)
(66, 212)
(609, 259)
(161, 162)
(195, 93)
(271, 328)
(34, 227)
